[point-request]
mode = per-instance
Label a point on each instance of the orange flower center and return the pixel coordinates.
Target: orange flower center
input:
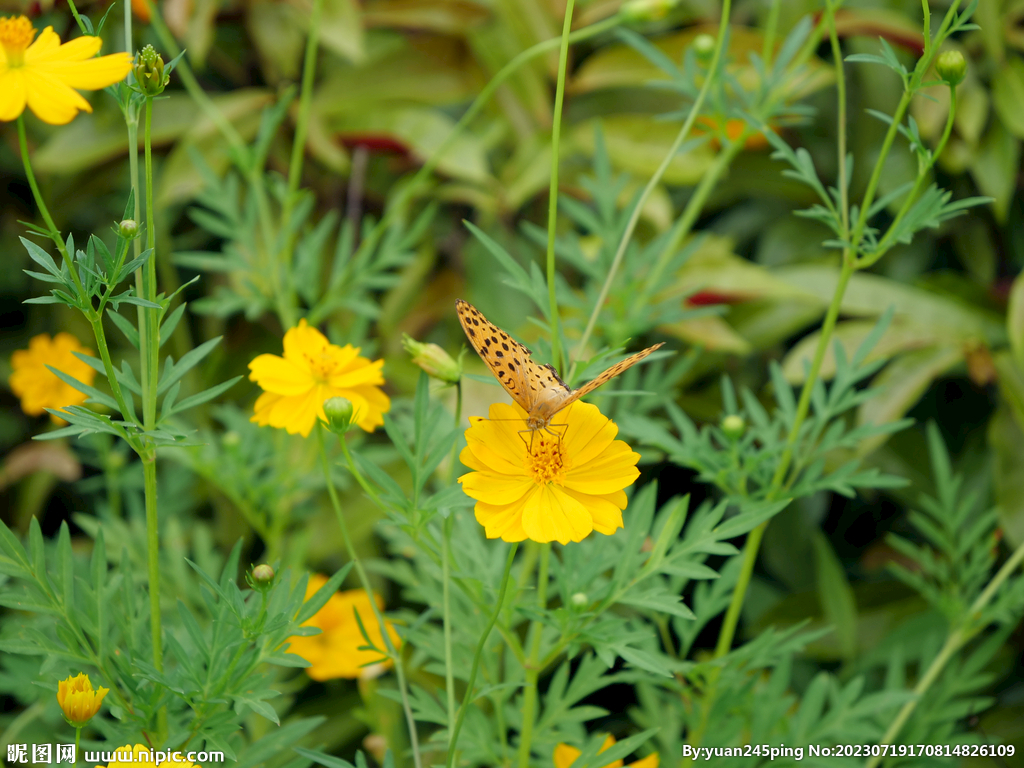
(16, 34)
(321, 366)
(546, 458)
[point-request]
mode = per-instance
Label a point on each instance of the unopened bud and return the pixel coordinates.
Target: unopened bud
(647, 10)
(149, 72)
(339, 412)
(734, 426)
(704, 47)
(262, 576)
(432, 359)
(579, 600)
(952, 67)
(128, 229)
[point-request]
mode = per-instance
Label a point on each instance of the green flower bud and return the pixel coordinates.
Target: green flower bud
(952, 67)
(432, 359)
(647, 10)
(128, 229)
(734, 426)
(262, 575)
(231, 439)
(340, 414)
(149, 72)
(579, 600)
(704, 47)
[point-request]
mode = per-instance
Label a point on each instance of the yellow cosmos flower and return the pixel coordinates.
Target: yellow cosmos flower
(139, 754)
(36, 385)
(565, 755)
(335, 651)
(313, 370)
(560, 488)
(43, 74)
(78, 700)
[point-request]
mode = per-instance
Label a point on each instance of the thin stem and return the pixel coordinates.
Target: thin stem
(770, 30)
(84, 31)
(393, 653)
(556, 133)
(468, 697)
(837, 57)
(78, 729)
(446, 575)
(153, 560)
(634, 217)
(533, 668)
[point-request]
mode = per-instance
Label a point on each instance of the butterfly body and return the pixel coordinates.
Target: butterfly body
(536, 388)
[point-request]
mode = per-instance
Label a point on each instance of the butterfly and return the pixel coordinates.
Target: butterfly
(537, 389)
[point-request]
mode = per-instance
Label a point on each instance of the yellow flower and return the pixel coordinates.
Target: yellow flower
(565, 755)
(43, 74)
(313, 370)
(559, 489)
(37, 387)
(335, 651)
(139, 754)
(78, 700)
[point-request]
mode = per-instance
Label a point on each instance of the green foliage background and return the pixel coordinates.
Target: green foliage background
(910, 461)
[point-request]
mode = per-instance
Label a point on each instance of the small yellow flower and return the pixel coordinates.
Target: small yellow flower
(312, 370)
(78, 700)
(335, 651)
(43, 74)
(565, 755)
(543, 486)
(139, 755)
(37, 387)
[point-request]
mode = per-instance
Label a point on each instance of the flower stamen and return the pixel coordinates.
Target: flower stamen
(16, 35)
(546, 460)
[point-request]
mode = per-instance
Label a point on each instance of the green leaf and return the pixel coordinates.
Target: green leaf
(202, 397)
(94, 395)
(174, 371)
(660, 601)
(1008, 94)
(319, 598)
(836, 595)
(66, 568)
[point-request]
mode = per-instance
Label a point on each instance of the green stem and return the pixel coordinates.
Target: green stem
(634, 217)
(556, 133)
(78, 729)
(84, 31)
(887, 240)
(468, 697)
(153, 560)
(533, 668)
(446, 575)
(393, 653)
(397, 204)
(837, 58)
(152, 329)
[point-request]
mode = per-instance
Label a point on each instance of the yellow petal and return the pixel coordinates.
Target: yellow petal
(302, 340)
(589, 432)
(42, 51)
(280, 376)
(51, 100)
(358, 374)
(551, 515)
(504, 521)
(12, 96)
(92, 74)
(565, 755)
(496, 489)
(47, 42)
(607, 517)
(612, 471)
(651, 761)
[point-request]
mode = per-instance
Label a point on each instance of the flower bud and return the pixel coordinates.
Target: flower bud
(231, 439)
(128, 229)
(952, 67)
(579, 600)
(262, 576)
(432, 359)
(704, 47)
(78, 701)
(340, 414)
(734, 426)
(149, 72)
(647, 10)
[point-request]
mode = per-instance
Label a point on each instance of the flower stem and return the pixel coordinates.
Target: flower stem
(78, 20)
(634, 217)
(78, 729)
(533, 668)
(446, 576)
(556, 133)
(468, 697)
(364, 579)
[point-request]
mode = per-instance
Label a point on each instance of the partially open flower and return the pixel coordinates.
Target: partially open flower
(78, 701)
(556, 485)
